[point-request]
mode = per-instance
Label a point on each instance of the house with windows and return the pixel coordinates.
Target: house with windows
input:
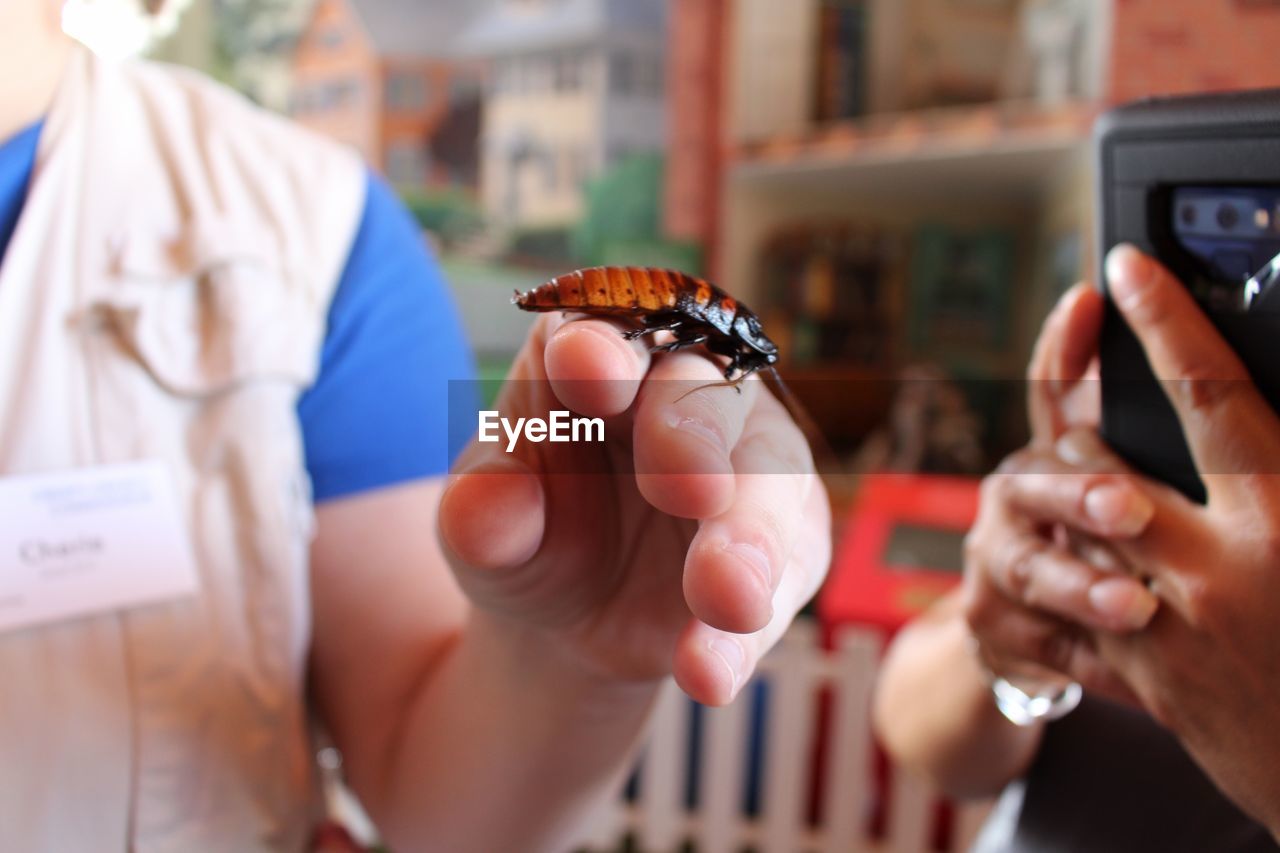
(382, 76)
(574, 87)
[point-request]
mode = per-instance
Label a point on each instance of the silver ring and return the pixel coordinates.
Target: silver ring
(1026, 709)
(1053, 702)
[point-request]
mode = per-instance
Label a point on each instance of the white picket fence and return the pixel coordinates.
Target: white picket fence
(797, 675)
(658, 818)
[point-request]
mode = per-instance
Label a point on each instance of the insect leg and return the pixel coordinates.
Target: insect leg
(656, 323)
(679, 344)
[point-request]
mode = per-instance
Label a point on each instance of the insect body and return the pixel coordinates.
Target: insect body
(695, 311)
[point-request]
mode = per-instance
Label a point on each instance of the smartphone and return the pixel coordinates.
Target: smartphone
(1195, 182)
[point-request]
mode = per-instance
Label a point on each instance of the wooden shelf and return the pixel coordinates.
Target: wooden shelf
(1005, 149)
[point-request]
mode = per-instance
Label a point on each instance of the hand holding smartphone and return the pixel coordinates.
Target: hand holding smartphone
(1195, 182)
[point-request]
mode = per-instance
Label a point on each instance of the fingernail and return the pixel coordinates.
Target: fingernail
(1128, 272)
(1121, 510)
(1078, 447)
(730, 653)
(755, 559)
(693, 426)
(1123, 601)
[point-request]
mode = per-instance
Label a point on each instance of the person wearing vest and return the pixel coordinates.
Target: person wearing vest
(1162, 609)
(485, 649)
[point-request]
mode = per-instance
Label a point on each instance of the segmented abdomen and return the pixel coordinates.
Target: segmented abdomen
(616, 290)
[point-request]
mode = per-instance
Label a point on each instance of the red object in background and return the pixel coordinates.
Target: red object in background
(901, 550)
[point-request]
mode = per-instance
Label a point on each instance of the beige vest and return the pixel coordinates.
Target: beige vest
(165, 296)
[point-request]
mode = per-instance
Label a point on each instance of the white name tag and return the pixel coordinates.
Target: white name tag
(90, 541)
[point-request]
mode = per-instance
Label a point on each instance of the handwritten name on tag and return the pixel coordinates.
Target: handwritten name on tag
(90, 541)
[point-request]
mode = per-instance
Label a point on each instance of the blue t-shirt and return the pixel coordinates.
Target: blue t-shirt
(377, 414)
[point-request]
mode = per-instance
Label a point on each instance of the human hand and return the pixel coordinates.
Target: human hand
(1030, 597)
(1207, 667)
(684, 543)
(1031, 583)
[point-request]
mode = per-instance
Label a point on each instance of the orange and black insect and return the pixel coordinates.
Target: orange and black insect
(697, 312)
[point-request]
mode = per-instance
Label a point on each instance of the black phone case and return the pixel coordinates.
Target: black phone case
(1143, 151)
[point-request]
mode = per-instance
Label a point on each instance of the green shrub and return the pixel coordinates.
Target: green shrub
(668, 254)
(623, 206)
(544, 244)
(451, 215)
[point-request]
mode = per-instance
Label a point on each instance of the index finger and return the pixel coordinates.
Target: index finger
(1229, 427)
(592, 368)
(736, 561)
(684, 435)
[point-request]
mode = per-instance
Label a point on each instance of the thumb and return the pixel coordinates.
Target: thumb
(1063, 355)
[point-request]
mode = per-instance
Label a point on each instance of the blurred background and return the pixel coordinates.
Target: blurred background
(900, 188)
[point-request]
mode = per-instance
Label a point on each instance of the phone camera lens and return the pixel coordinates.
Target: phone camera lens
(1228, 217)
(1188, 215)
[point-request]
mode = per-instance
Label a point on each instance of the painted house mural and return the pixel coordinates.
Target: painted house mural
(575, 87)
(382, 75)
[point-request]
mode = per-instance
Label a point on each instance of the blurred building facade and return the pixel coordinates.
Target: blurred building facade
(751, 84)
(915, 175)
(382, 75)
(575, 86)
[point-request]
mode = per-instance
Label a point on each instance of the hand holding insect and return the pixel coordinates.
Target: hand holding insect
(690, 551)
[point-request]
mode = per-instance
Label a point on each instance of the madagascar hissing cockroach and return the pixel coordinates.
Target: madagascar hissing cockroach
(697, 312)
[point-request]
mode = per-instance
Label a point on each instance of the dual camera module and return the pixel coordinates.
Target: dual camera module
(1227, 215)
(1232, 238)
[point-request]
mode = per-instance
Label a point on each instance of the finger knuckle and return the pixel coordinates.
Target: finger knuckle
(1056, 650)
(1015, 566)
(773, 457)
(1150, 307)
(1015, 463)
(708, 414)
(794, 457)
(1204, 387)
(976, 606)
(1035, 593)
(769, 531)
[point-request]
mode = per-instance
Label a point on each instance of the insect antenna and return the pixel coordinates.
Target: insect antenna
(735, 384)
(824, 457)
